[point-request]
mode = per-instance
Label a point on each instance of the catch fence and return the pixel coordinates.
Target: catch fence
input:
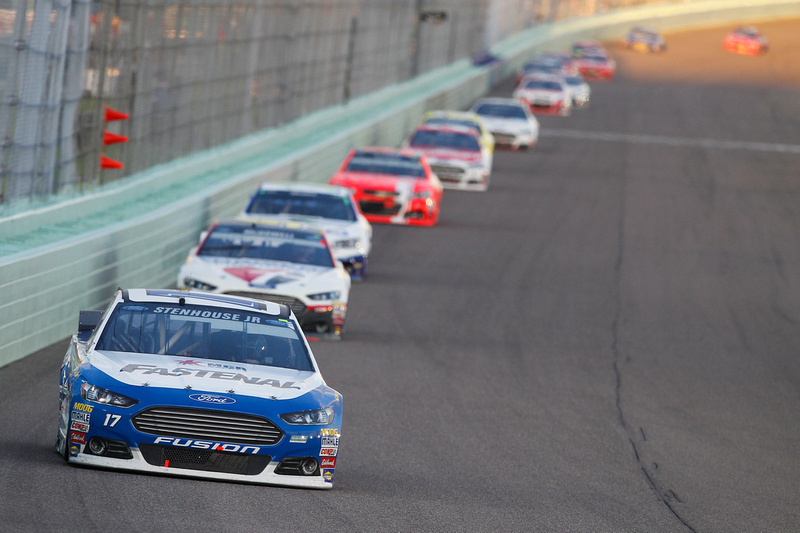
(195, 74)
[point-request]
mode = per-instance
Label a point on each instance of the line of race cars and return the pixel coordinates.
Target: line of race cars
(217, 379)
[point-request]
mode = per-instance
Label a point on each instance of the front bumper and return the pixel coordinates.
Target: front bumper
(515, 141)
(415, 212)
(104, 436)
(267, 476)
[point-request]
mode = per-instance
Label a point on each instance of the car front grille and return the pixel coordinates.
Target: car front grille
(297, 306)
(205, 460)
(448, 172)
(378, 208)
(503, 138)
(206, 424)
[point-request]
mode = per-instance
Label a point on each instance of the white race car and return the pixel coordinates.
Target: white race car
(332, 208)
(282, 262)
(510, 121)
(580, 90)
(545, 94)
(456, 154)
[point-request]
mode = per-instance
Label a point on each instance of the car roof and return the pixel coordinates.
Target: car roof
(385, 152)
(315, 188)
(538, 76)
(499, 100)
(266, 222)
(182, 297)
(455, 115)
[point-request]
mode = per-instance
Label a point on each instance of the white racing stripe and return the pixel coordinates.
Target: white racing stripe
(674, 141)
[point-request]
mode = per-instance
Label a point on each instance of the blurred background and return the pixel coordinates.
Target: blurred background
(195, 74)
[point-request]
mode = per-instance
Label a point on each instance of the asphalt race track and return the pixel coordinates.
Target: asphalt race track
(608, 340)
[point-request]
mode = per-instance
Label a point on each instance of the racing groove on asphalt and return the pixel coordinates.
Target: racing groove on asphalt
(606, 340)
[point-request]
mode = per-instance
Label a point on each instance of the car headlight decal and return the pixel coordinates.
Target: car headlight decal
(95, 394)
(330, 295)
(315, 417)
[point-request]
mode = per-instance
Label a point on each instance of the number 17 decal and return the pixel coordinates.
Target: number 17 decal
(111, 420)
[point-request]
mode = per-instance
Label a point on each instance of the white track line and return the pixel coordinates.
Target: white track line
(674, 141)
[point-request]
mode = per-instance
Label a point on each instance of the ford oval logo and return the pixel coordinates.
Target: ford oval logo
(210, 398)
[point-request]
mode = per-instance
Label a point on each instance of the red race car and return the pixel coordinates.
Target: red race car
(596, 64)
(392, 186)
(745, 40)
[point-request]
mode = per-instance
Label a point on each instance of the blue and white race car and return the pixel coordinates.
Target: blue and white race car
(201, 385)
(332, 208)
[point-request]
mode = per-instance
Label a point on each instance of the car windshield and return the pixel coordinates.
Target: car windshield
(500, 110)
(301, 204)
(386, 165)
(594, 59)
(444, 139)
(542, 84)
(278, 244)
(574, 80)
(203, 332)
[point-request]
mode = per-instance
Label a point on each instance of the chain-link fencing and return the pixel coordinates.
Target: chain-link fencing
(194, 74)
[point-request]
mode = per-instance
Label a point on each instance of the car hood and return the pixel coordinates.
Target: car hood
(538, 93)
(505, 124)
(260, 274)
(204, 375)
(378, 182)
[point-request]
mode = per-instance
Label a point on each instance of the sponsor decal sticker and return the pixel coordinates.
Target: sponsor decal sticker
(211, 374)
(330, 441)
(328, 476)
(207, 445)
(79, 426)
(327, 462)
(73, 451)
(329, 431)
(210, 398)
(77, 436)
(82, 407)
(79, 416)
(328, 452)
(212, 365)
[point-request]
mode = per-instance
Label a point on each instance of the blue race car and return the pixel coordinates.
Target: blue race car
(197, 384)
(644, 39)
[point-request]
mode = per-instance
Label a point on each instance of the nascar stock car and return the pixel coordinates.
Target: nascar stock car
(593, 61)
(580, 90)
(201, 385)
(461, 118)
(332, 208)
(392, 186)
(509, 120)
(745, 40)
(644, 39)
(284, 262)
(561, 63)
(455, 153)
(545, 94)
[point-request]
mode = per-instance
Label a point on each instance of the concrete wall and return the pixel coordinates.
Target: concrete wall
(72, 255)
